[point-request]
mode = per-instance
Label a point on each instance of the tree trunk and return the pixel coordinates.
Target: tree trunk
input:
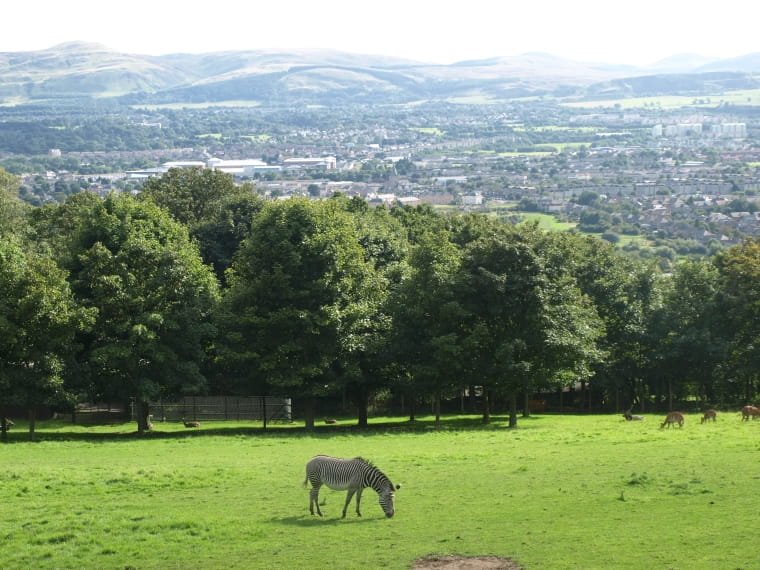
(513, 410)
(142, 411)
(309, 410)
(3, 428)
(526, 408)
(362, 404)
(437, 408)
(486, 406)
(264, 411)
(473, 399)
(412, 411)
(582, 402)
(32, 411)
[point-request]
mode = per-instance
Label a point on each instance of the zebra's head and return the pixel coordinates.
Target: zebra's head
(388, 499)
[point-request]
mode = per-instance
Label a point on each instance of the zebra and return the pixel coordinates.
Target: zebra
(352, 475)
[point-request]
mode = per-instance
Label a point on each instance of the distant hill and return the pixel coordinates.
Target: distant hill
(681, 63)
(290, 77)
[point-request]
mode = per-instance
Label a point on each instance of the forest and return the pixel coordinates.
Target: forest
(197, 285)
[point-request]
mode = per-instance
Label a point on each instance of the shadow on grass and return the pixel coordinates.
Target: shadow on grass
(55, 430)
(313, 520)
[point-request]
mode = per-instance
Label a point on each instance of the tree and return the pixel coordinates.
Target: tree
(527, 326)
(38, 322)
(154, 299)
(215, 210)
(427, 319)
(365, 368)
(691, 344)
(739, 308)
(299, 290)
(12, 209)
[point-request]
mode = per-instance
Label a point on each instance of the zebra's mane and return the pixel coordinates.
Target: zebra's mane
(376, 468)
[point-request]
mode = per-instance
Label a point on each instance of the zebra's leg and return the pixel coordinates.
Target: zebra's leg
(358, 500)
(314, 499)
(348, 500)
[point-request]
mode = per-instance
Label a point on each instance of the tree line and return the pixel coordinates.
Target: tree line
(197, 285)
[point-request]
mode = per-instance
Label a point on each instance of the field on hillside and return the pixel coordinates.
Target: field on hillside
(557, 492)
(749, 97)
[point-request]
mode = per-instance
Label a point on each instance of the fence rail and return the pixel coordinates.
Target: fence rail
(192, 408)
(210, 408)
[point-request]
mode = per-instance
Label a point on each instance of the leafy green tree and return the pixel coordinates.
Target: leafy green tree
(527, 327)
(427, 319)
(364, 370)
(691, 343)
(297, 299)
(625, 294)
(38, 322)
(739, 307)
(418, 220)
(220, 237)
(191, 195)
(153, 295)
(12, 209)
(216, 211)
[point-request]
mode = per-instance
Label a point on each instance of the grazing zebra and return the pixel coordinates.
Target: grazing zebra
(352, 475)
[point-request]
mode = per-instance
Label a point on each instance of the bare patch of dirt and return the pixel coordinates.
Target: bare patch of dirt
(465, 563)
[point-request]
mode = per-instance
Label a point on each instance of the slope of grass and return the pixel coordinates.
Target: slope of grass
(557, 492)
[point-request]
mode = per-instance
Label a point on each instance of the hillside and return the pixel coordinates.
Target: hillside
(286, 77)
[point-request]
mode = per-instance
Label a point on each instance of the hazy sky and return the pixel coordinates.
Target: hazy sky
(439, 31)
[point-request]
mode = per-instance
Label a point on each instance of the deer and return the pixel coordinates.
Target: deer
(191, 424)
(709, 415)
(748, 411)
(672, 418)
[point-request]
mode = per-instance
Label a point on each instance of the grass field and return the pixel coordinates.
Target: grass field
(547, 222)
(750, 97)
(557, 492)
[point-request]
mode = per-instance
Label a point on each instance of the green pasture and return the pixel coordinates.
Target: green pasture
(547, 222)
(556, 492)
(428, 131)
(738, 97)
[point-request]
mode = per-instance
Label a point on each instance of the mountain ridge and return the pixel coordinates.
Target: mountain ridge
(330, 77)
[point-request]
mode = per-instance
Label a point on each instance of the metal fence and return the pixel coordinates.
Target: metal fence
(210, 408)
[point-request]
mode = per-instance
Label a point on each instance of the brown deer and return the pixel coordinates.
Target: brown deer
(748, 411)
(709, 415)
(673, 418)
(191, 424)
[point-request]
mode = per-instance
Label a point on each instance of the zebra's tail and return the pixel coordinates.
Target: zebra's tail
(305, 481)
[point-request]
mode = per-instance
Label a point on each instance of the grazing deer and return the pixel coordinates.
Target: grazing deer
(330, 421)
(631, 418)
(672, 418)
(709, 415)
(748, 411)
(191, 424)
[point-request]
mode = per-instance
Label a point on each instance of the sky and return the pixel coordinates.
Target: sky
(436, 31)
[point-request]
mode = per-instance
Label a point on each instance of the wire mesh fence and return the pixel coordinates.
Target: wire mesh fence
(219, 408)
